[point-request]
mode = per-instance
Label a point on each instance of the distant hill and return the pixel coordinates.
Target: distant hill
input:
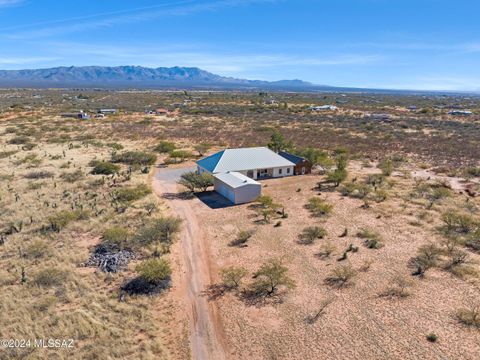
(137, 77)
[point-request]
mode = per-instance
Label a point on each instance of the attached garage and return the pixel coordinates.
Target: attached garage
(236, 187)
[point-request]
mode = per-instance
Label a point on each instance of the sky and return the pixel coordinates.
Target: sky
(393, 44)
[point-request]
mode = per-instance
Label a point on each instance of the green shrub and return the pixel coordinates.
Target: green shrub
(242, 237)
(130, 194)
(117, 236)
(104, 168)
(19, 140)
(160, 230)
(165, 147)
(432, 337)
(312, 233)
(135, 158)
(37, 249)
(232, 276)
(355, 190)
(63, 218)
(271, 276)
(341, 276)
(193, 180)
(371, 239)
(154, 271)
(72, 177)
(50, 277)
(38, 175)
(459, 222)
(180, 155)
(337, 176)
(318, 207)
(470, 316)
(386, 166)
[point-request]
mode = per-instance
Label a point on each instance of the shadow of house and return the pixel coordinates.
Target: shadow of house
(214, 200)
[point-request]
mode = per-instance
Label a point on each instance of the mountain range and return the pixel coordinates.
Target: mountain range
(137, 77)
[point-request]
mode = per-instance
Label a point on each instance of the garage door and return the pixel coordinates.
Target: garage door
(225, 191)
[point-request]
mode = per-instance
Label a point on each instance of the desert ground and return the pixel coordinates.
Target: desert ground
(392, 271)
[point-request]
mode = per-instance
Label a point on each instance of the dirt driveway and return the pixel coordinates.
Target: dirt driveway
(206, 331)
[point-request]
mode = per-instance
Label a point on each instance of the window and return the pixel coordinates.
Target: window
(288, 170)
(279, 171)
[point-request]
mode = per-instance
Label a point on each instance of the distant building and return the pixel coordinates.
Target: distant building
(460, 113)
(384, 117)
(323, 108)
(412, 108)
(107, 111)
(77, 115)
(161, 111)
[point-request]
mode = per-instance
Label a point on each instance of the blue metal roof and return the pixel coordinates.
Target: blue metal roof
(293, 158)
(210, 162)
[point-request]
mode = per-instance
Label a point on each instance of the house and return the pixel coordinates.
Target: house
(107, 111)
(302, 165)
(460, 113)
(323, 108)
(255, 162)
(77, 115)
(236, 187)
(161, 111)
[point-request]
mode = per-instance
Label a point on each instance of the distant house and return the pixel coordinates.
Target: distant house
(235, 170)
(107, 111)
(302, 165)
(77, 115)
(255, 162)
(323, 108)
(384, 117)
(161, 111)
(460, 113)
(412, 108)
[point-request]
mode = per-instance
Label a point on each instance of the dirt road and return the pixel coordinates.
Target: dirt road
(207, 339)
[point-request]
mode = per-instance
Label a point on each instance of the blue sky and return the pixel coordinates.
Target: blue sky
(403, 44)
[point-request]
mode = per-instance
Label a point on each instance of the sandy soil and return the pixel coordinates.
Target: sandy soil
(207, 339)
(359, 324)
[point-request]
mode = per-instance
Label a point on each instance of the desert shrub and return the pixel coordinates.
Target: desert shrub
(37, 249)
(318, 207)
(312, 233)
(129, 194)
(459, 222)
(115, 146)
(371, 239)
(193, 180)
(398, 287)
(473, 241)
(180, 155)
(202, 148)
(72, 177)
(6, 154)
(469, 316)
(325, 251)
(337, 176)
(135, 158)
(427, 257)
(242, 238)
(159, 230)
(104, 168)
(386, 166)
(19, 140)
(341, 276)
(432, 337)
(38, 175)
(63, 218)
(379, 195)
(164, 147)
(232, 276)
(375, 179)
(271, 276)
(116, 236)
(50, 277)
(355, 190)
(154, 271)
(473, 171)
